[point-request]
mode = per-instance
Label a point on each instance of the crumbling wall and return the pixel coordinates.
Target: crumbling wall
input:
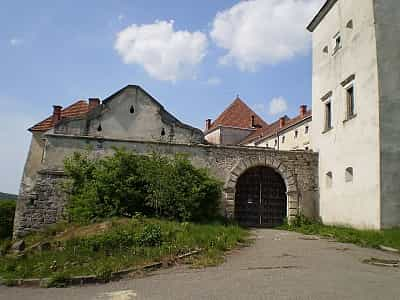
(43, 204)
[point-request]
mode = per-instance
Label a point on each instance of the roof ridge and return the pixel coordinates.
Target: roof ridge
(47, 123)
(230, 117)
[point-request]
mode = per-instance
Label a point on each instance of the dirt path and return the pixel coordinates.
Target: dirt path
(280, 265)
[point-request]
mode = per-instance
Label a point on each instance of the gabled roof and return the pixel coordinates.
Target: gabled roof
(238, 114)
(321, 14)
(274, 128)
(80, 109)
(76, 109)
(165, 115)
(264, 132)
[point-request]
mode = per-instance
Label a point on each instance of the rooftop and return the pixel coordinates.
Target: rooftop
(76, 109)
(238, 115)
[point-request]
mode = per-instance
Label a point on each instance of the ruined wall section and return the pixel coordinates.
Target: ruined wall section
(41, 205)
(299, 170)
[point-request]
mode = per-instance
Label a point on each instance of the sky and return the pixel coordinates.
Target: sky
(194, 57)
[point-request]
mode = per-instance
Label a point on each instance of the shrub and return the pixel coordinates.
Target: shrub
(126, 184)
(150, 236)
(5, 245)
(301, 220)
(7, 211)
(58, 280)
(104, 273)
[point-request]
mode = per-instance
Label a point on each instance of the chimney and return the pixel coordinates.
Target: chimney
(208, 124)
(93, 103)
(253, 122)
(303, 110)
(56, 113)
(282, 122)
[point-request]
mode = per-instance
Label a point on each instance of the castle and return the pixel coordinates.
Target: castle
(339, 163)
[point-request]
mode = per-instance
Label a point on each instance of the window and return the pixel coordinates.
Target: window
(328, 179)
(276, 143)
(283, 139)
(349, 174)
(337, 42)
(328, 116)
(306, 130)
(350, 112)
(296, 134)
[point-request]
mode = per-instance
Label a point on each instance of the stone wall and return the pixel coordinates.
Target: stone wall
(298, 169)
(41, 206)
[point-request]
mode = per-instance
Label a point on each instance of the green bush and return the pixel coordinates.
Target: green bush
(150, 236)
(7, 211)
(58, 280)
(126, 184)
(104, 273)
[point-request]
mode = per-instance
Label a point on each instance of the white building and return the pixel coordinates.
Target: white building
(356, 106)
(355, 114)
(240, 125)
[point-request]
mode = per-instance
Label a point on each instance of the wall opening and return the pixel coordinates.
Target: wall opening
(329, 179)
(349, 174)
(260, 199)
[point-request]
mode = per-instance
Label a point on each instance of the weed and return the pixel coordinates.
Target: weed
(125, 244)
(58, 280)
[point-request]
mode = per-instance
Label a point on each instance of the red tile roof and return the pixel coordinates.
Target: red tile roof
(267, 131)
(76, 109)
(238, 114)
(274, 128)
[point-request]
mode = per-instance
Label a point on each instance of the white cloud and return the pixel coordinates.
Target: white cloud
(165, 54)
(15, 42)
(278, 105)
(263, 32)
(214, 81)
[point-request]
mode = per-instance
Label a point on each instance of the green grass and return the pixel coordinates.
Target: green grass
(100, 249)
(364, 238)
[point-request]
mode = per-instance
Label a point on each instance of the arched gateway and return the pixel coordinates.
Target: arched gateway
(261, 192)
(260, 198)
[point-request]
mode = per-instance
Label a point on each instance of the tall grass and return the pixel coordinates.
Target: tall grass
(364, 238)
(125, 244)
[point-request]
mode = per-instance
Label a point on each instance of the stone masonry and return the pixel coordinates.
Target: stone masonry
(44, 201)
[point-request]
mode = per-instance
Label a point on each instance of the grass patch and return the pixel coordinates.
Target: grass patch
(103, 248)
(364, 238)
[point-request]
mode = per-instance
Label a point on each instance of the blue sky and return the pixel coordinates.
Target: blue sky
(55, 52)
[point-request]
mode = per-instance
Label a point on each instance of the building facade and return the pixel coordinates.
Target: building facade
(240, 125)
(339, 162)
(356, 106)
(132, 119)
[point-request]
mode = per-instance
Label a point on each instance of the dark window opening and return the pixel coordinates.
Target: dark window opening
(350, 102)
(338, 42)
(328, 116)
(329, 179)
(349, 174)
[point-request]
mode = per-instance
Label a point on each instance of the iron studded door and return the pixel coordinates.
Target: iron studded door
(260, 198)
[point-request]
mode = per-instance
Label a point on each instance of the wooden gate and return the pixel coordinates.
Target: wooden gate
(260, 199)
